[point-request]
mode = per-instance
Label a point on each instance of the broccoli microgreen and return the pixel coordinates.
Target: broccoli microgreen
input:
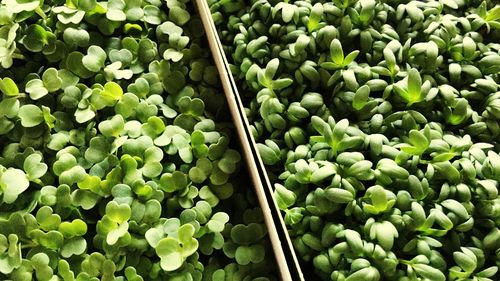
(115, 154)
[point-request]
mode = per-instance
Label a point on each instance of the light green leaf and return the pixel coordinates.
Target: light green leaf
(8, 87)
(13, 182)
(338, 195)
(336, 52)
(284, 197)
(34, 167)
(51, 80)
(95, 58)
(361, 97)
(217, 222)
(31, 115)
(429, 272)
(414, 86)
(36, 89)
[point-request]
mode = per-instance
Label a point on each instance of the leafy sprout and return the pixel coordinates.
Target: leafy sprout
(377, 122)
(116, 159)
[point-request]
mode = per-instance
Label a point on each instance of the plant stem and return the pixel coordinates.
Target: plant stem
(18, 56)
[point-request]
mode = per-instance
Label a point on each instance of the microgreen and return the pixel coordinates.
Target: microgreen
(116, 152)
(378, 124)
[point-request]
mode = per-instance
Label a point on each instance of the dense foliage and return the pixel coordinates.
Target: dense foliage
(111, 164)
(378, 122)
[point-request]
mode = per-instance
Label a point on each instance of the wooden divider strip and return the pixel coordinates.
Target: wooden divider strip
(257, 174)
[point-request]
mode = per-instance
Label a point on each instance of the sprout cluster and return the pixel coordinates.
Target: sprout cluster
(378, 122)
(115, 155)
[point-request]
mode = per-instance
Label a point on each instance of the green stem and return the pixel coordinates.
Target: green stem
(41, 13)
(405, 262)
(25, 243)
(28, 245)
(18, 56)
